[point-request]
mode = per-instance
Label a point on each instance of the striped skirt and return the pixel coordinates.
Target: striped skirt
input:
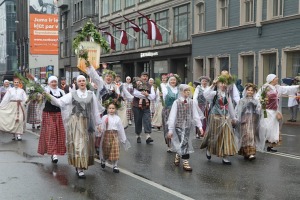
(219, 138)
(53, 137)
(110, 146)
(157, 117)
(129, 109)
(33, 113)
(165, 117)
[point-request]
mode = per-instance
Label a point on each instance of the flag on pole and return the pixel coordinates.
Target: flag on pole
(110, 39)
(123, 37)
(134, 26)
(153, 31)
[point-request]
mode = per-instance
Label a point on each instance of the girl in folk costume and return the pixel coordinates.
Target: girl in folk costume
(111, 132)
(129, 88)
(52, 137)
(219, 139)
(157, 117)
(269, 121)
(248, 113)
(201, 101)
(4, 89)
(170, 94)
(81, 115)
(33, 111)
(12, 111)
(184, 115)
(152, 102)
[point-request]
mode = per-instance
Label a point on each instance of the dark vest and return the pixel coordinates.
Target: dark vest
(51, 108)
(136, 100)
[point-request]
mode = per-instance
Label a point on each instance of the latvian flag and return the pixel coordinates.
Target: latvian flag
(123, 38)
(153, 31)
(111, 40)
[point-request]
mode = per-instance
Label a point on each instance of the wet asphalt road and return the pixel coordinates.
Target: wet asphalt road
(147, 172)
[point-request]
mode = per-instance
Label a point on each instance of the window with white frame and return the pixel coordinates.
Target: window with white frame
(181, 23)
(117, 34)
(269, 64)
(61, 49)
(162, 18)
(211, 65)
(274, 8)
(129, 3)
(222, 13)
(131, 41)
(292, 63)
(224, 63)
(247, 11)
(144, 42)
(200, 21)
(116, 5)
(105, 7)
(248, 68)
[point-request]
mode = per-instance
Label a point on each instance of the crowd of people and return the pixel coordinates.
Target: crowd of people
(88, 117)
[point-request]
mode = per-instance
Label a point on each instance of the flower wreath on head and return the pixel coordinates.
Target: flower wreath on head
(108, 72)
(109, 101)
(226, 79)
(178, 79)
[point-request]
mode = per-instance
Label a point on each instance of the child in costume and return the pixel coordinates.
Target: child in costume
(184, 115)
(111, 132)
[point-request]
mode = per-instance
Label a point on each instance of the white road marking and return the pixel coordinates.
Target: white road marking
(152, 183)
(289, 135)
(285, 155)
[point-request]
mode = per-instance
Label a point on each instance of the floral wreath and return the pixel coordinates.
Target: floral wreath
(226, 79)
(108, 72)
(109, 101)
(178, 79)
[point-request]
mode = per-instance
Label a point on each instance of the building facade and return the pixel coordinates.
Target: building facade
(8, 50)
(250, 38)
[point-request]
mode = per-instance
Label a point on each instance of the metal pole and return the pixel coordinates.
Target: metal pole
(126, 32)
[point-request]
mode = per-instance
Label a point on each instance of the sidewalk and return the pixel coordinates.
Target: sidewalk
(287, 116)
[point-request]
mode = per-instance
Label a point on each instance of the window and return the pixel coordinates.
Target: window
(81, 10)
(222, 14)
(160, 67)
(116, 5)
(211, 63)
(224, 63)
(10, 7)
(129, 3)
(181, 23)
(66, 48)
(142, 1)
(269, 64)
(277, 8)
(144, 42)
(61, 49)
(95, 7)
(75, 13)
(117, 34)
(247, 11)
(131, 41)
(106, 29)
(293, 64)
(63, 21)
(105, 7)
(248, 69)
(201, 16)
(162, 19)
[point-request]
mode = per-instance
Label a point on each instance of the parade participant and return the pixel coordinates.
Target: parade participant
(293, 104)
(129, 88)
(141, 109)
(184, 114)
(239, 87)
(111, 132)
(64, 86)
(12, 111)
(201, 101)
(81, 114)
(152, 102)
(118, 81)
(33, 111)
(269, 130)
(52, 139)
(4, 89)
(248, 112)
(73, 86)
(157, 117)
(231, 87)
(170, 94)
(219, 139)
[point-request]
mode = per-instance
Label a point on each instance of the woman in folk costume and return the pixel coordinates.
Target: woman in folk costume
(111, 132)
(219, 139)
(170, 94)
(152, 102)
(157, 117)
(248, 113)
(13, 112)
(269, 96)
(201, 101)
(81, 115)
(184, 115)
(53, 136)
(3, 89)
(129, 88)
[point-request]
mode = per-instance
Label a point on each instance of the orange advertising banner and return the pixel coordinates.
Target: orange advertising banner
(44, 34)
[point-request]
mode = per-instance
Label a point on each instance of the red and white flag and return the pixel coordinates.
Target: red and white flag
(123, 38)
(153, 31)
(110, 40)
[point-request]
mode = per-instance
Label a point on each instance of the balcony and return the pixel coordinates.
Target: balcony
(62, 4)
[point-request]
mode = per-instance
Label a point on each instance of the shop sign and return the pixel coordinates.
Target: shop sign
(149, 54)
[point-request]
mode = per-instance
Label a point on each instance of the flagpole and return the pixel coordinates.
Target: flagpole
(109, 34)
(126, 31)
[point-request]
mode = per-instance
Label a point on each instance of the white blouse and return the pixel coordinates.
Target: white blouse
(165, 90)
(14, 94)
(114, 123)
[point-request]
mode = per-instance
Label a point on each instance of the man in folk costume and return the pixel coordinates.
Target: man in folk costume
(201, 101)
(52, 139)
(4, 89)
(12, 111)
(141, 109)
(269, 125)
(63, 85)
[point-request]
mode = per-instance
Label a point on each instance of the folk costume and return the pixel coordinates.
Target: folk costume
(3, 90)
(157, 117)
(248, 114)
(170, 94)
(13, 112)
(141, 110)
(129, 88)
(33, 112)
(184, 115)
(112, 133)
(219, 139)
(269, 125)
(52, 139)
(124, 96)
(81, 114)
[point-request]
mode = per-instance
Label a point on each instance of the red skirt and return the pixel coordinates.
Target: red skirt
(53, 136)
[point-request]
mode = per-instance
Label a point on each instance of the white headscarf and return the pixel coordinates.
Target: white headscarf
(52, 78)
(55, 91)
(6, 81)
(80, 77)
(270, 78)
(182, 87)
(128, 78)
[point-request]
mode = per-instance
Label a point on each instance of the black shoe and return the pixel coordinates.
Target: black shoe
(226, 162)
(80, 174)
(103, 164)
(38, 127)
(54, 159)
(293, 120)
(270, 149)
(33, 127)
(116, 170)
(290, 120)
(208, 156)
(138, 140)
(149, 140)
